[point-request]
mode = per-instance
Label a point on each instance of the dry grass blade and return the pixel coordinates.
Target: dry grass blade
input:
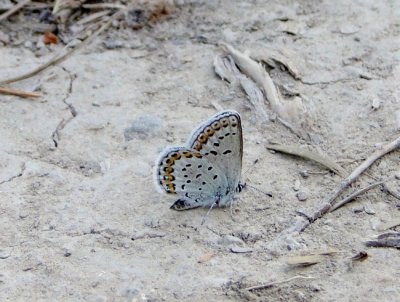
(227, 70)
(206, 257)
(391, 239)
(274, 59)
(305, 260)
(311, 258)
(17, 92)
(310, 155)
(291, 113)
(270, 284)
(390, 224)
(103, 6)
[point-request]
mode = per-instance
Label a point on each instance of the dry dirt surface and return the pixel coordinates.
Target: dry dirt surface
(81, 218)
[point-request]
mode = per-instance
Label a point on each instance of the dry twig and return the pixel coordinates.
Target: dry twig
(270, 284)
(391, 239)
(327, 204)
(21, 93)
(354, 195)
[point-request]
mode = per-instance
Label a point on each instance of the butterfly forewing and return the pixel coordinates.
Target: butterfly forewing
(220, 140)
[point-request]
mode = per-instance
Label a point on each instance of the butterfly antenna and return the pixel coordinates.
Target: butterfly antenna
(258, 190)
(208, 212)
(252, 166)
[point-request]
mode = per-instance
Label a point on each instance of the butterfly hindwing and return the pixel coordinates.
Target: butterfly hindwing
(190, 175)
(207, 170)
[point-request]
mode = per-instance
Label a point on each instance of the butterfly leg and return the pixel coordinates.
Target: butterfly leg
(209, 210)
(231, 210)
(182, 205)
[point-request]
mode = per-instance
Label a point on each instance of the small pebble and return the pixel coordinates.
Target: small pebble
(28, 44)
(23, 214)
(376, 103)
(349, 29)
(67, 253)
(304, 174)
(241, 250)
(296, 185)
(369, 210)
(301, 196)
(4, 254)
(113, 44)
(142, 127)
(229, 239)
(357, 209)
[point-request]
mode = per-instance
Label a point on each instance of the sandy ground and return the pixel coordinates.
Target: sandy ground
(83, 221)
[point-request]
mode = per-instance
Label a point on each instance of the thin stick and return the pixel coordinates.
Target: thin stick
(92, 17)
(59, 57)
(103, 6)
(354, 195)
(270, 284)
(327, 204)
(14, 9)
(17, 92)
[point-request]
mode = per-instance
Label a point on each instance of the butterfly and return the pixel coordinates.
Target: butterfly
(206, 171)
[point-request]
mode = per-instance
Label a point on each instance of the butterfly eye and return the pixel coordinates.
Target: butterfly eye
(169, 161)
(216, 126)
(203, 138)
(168, 170)
(175, 156)
(209, 131)
(169, 177)
(188, 154)
(197, 146)
(233, 119)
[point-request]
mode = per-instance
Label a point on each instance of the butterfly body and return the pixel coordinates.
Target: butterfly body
(206, 171)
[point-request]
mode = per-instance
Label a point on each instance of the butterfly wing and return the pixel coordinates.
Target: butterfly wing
(220, 140)
(191, 176)
(206, 171)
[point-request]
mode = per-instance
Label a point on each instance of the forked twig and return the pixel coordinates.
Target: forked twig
(270, 284)
(354, 195)
(327, 204)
